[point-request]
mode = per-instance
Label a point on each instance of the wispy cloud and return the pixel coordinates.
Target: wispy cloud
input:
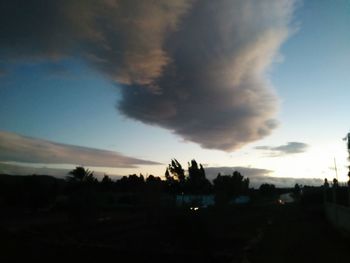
(289, 148)
(28, 169)
(13, 169)
(212, 172)
(197, 68)
(258, 176)
(284, 181)
(17, 148)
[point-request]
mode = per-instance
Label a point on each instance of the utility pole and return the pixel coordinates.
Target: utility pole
(349, 169)
(336, 170)
(348, 146)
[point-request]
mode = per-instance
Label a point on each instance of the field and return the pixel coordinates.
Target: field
(270, 233)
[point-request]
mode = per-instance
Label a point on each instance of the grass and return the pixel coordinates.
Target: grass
(270, 233)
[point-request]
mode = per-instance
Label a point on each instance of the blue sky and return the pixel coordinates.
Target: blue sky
(71, 100)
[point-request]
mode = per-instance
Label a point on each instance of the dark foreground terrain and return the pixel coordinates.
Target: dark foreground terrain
(270, 233)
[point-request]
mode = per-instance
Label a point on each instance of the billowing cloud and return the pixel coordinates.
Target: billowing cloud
(17, 148)
(215, 91)
(197, 68)
(122, 38)
(289, 148)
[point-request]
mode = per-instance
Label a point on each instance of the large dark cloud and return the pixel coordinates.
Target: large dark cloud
(122, 38)
(289, 148)
(17, 148)
(3, 72)
(197, 68)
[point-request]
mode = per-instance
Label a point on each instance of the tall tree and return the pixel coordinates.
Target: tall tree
(176, 171)
(80, 174)
(197, 183)
(267, 189)
(228, 186)
(107, 183)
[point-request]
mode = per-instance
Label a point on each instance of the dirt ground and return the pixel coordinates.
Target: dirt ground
(298, 235)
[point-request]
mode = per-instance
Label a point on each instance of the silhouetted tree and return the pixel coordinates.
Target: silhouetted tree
(335, 182)
(296, 190)
(167, 174)
(326, 193)
(176, 170)
(131, 183)
(80, 174)
(228, 186)
(154, 190)
(197, 182)
(175, 177)
(267, 189)
(107, 183)
(153, 180)
(83, 200)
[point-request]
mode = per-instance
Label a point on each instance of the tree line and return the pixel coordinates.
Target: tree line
(177, 181)
(81, 190)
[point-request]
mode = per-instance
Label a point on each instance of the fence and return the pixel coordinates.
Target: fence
(337, 206)
(339, 216)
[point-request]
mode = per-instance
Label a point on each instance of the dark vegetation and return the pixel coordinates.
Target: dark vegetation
(82, 193)
(137, 219)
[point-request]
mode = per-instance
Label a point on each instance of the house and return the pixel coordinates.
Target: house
(240, 200)
(195, 200)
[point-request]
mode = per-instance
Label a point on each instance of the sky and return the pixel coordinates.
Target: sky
(123, 87)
